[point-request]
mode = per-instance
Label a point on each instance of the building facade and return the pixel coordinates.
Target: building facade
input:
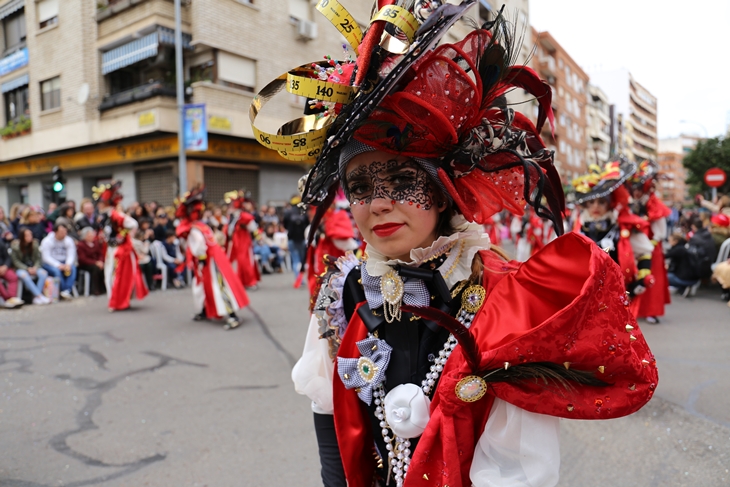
(672, 187)
(598, 121)
(570, 104)
(90, 87)
(635, 114)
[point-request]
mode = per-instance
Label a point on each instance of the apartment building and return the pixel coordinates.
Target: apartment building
(635, 114)
(89, 86)
(570, 103)
(598, 120)
(671, 186)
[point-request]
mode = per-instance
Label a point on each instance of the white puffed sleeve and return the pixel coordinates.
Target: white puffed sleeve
(130, 223)
(640, 244)
(196, 243)
(517, 449)
(312, 374)
(659, 229)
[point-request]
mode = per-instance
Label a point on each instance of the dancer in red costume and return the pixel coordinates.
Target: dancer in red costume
(240, 244)
(434, 361)
(648, 206)
(217, 291)
(606, 219)
(336, 238)
(123, 276)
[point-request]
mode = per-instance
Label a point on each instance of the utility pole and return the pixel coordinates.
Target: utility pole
(180, 89)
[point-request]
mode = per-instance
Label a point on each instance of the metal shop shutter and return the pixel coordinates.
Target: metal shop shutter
(156, 185)
(220, 180)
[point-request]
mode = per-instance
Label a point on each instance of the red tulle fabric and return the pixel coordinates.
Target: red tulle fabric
(566, 304)
(438, 109)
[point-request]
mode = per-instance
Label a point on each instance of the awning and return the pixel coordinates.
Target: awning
(139, 49)
(15, 83)
(11, 7)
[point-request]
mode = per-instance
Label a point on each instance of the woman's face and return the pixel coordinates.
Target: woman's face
(89, 237)
(597, 207)
(34, 217)
(393, 203)
(27, 236)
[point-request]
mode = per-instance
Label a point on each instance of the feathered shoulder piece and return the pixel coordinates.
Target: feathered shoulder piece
(192, 204)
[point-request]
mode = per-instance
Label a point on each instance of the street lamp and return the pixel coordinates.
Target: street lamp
(182, 163)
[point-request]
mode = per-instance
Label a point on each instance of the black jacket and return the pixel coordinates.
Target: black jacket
(5, 254)
(679, 263)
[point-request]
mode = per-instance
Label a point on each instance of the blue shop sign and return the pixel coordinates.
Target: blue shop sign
(16, 60)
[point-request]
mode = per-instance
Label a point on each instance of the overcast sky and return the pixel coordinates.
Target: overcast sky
(678, 50)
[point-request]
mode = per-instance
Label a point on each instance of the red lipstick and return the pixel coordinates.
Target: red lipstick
(386, 229)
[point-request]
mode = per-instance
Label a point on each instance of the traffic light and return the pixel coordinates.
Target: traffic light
(58, 185)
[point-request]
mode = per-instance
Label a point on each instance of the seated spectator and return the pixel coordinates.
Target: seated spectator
(66, 218)
(32, 218)
(141, 243)
(172, 258)
(720, 228)
(26, 257)
(270, 216)
(161, 225)
(15, 211)
(87, 217)
(58, 252)
(91, 259)
(680, 274)
(269, 240)
(6, 229)
(8, 279)
(137, 212)
(263, 251)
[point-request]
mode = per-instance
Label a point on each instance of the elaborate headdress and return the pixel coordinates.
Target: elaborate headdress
(601, 182)
(643, 179)
(191, 205)
(108, 193)
(442, 107)
(237, 198)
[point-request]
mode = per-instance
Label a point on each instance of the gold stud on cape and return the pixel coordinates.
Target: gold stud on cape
(506, 365)
(601, 368)
(632, 338)
(570, 407)
(566, 365)
(632, 387)
(629, 327)
(425, 476)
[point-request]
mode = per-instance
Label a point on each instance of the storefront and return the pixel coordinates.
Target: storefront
(148, 169)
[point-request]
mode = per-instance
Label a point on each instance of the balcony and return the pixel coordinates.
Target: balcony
(138, 93)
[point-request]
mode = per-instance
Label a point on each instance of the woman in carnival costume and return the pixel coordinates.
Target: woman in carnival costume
(240, 249)
(217, 291)
(435, 361)
(605, 217)
(646, 204)
(123, 276)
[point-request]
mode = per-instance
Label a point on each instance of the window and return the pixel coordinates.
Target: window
(47, 13)
(51, 93)
(236, 71)
(16, 104)
(299, 10)
(14, 31)
(202, 72)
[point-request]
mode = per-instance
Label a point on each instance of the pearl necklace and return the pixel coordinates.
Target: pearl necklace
(399, 455)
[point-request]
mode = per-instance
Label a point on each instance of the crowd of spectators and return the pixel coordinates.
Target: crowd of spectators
(42, 251)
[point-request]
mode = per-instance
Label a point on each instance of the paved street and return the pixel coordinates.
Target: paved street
(148, 397)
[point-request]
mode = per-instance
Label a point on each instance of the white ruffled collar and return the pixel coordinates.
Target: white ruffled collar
(463, 244)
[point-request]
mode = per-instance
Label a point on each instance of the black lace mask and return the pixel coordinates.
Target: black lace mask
(397, 181)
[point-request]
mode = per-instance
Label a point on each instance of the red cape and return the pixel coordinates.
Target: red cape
(566, 304)
(242, 251)
(215, 253)
(128, 276)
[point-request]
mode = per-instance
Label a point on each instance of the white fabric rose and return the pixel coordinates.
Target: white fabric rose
(407, 410)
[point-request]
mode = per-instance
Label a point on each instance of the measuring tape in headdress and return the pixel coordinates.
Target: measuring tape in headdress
(302, 139)
(342, 20)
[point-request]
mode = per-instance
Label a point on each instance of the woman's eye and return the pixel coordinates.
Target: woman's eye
(359, 189)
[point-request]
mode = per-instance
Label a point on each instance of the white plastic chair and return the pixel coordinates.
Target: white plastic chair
(156, 250)
(86, 277)
(723, 254)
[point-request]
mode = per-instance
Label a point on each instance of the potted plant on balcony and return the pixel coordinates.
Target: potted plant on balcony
(16, 128)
